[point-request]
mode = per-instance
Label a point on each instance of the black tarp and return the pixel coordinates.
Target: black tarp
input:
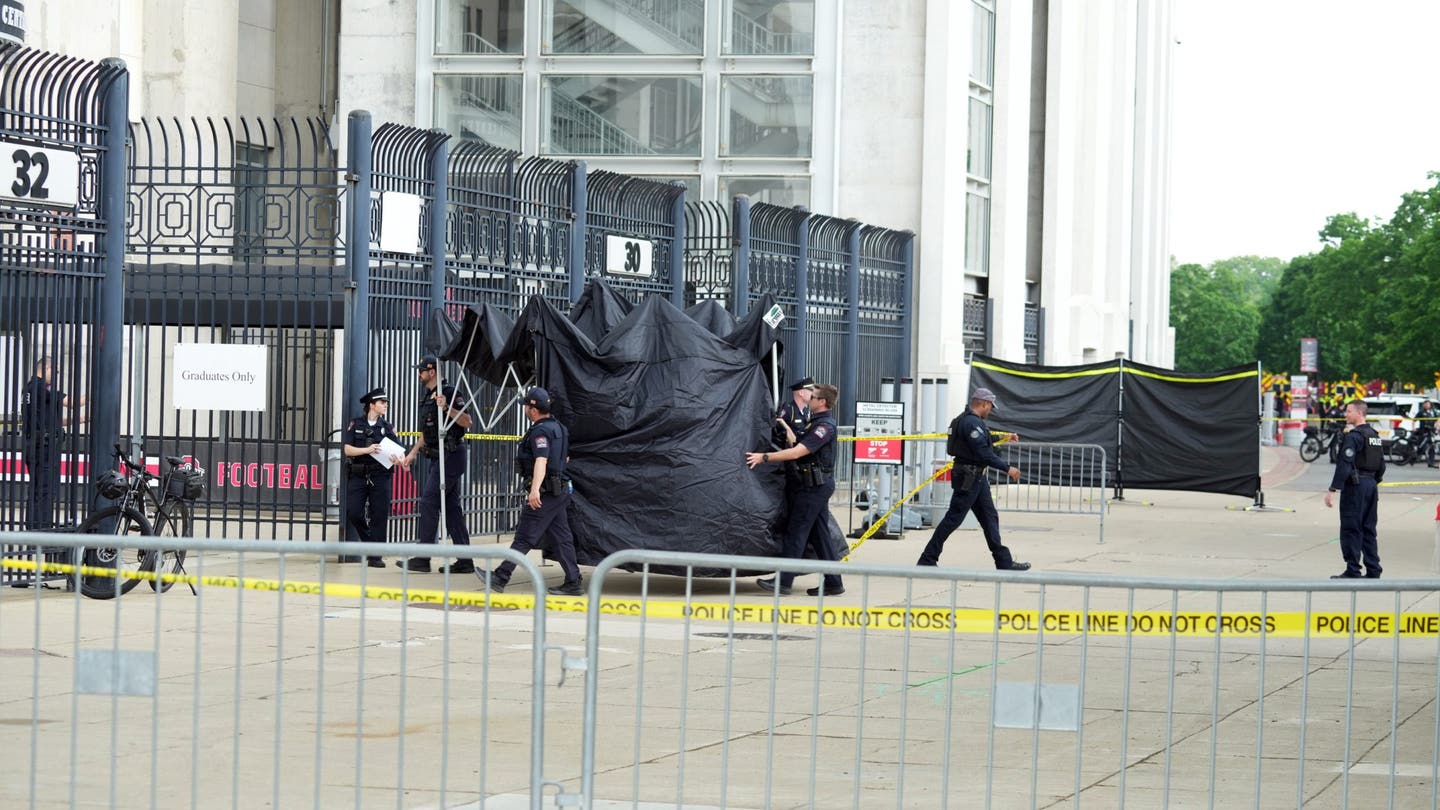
(661, 410)
(1160, 429)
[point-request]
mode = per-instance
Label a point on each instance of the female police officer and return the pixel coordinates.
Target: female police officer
(367, 491)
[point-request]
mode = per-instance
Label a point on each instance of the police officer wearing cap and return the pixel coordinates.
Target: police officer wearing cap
(367, 486)
(433, 403)
(1360, 467)
(42, 427)
(971, 489)
(794, 414)
(541, 459)
(814, 457)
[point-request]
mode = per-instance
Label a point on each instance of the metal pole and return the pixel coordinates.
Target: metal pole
(850, 353)
(802, 295)
(109, 332)
(578, 208)
(357, 254)
(677, 248)
(1120, 437)
(740, 296)
(439, 205)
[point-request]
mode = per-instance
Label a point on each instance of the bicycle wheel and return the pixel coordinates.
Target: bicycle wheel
(173, 520)
(1309, 449)
(128, 525)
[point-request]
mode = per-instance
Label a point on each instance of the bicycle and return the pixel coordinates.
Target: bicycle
(179, 488)
(1316, 443)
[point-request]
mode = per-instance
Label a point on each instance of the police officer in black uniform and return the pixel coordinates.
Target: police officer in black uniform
(1360, 468)
(541, 458)
(972, 488)
(368, 486)
(1425, 426)
(42, 427)
(430, 445)
(794, 413)
(814, 455)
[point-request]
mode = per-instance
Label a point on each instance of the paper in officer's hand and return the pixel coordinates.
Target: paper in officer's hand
(389, 448)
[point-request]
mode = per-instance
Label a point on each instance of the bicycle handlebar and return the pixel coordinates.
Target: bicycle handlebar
(135, 467)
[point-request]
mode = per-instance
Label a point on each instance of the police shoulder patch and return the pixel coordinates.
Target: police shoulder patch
(542, 443)
(1349, 452)
(822, 431)
(976, 433)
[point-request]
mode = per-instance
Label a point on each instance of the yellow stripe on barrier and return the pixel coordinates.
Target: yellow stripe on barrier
(474, 437)
(1246, 624)
(1095, 372)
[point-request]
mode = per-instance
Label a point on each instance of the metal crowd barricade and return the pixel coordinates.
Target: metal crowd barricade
(941, 687)
(1056, 478)
(286, 681)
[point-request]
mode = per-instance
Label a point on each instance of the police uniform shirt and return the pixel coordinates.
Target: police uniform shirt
(41, 409)
(360, 433)
(977, 439)
(796, 416)
(1360, 449)
(546, 439)
(819, 438)
(430, 418)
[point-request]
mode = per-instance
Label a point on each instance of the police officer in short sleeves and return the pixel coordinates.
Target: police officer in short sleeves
(368, 481)
(42, 427)
(814, 457)
(1358, 472)
(431, 445)
(541, 459)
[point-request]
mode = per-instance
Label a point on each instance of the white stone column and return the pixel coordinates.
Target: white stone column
(192, 57)
(940, 246)
(1010, 170)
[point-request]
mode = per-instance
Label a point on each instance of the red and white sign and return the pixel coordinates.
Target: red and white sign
(879, 419)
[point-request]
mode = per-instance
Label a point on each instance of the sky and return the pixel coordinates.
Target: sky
(1289, 111)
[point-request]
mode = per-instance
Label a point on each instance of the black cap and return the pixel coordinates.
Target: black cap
(373, 395)
(538, 397)
(428, 361)
(803, 382)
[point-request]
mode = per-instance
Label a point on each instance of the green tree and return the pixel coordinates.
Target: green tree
(1216, 315)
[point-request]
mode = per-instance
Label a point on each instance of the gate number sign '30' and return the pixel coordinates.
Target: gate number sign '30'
(38, 175)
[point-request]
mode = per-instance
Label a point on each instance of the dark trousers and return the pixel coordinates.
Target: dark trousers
(42, 461)
(806, 524)
(977, 498)
(429, 518)
(1359, 510)
(367, 506)
(552, 518)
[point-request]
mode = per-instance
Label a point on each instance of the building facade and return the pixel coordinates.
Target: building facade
(1027, 142)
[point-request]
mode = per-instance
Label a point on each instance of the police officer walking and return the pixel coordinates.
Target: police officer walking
(42, 427)
(814, 455)
(368, 487)
(541, 458)
(1360, 468)
(432, 404)
(794, 413)
(974, 452)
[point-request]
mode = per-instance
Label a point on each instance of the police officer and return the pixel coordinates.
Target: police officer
(794, 413)
(814, 455)
(541, 458)
(368, 487)
(1425, 426)
(972, 488)
(431, 445)
(1360, 468)
(42, 427)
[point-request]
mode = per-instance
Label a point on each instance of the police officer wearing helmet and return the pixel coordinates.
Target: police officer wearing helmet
(433, 403)
(974, 451)
(541, 459)
(1360, 468)
(814, 457)
(368, 487)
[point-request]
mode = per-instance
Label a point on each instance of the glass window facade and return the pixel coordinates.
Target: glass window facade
(977, 154)
(982, 45)
(766, 116)
(977, 235)
(770, 28)
(479, 26)
(623, 115)
(784, 191)
(653, 27)
(980, 141)
(647, 87)
(485, 107)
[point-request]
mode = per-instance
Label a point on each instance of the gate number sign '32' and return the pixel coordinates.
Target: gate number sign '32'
(35, 174)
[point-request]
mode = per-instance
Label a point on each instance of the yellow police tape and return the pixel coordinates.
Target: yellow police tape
(1246, 624)
(474, 437)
